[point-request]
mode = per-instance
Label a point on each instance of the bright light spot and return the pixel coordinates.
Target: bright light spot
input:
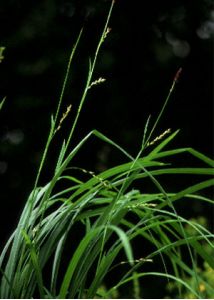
(180, 48)
(206, 30)
(14, 137)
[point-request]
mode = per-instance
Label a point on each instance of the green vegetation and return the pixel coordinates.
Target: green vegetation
(99, 219)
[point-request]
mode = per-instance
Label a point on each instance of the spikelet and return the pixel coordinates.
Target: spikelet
(96, 82)
(105, 183)
(137, 260)
(160, 137)
(141, 205)
(106, 33)
(64, 116)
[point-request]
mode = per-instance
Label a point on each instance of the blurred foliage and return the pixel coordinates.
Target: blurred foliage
(1, 53)
(206, 272)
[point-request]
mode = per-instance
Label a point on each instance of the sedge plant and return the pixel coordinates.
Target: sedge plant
(32, 262)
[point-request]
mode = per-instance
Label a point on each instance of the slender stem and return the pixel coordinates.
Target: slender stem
(153, 178)
(164, 106)
(54, 120)
(90, 73)
(66, 75)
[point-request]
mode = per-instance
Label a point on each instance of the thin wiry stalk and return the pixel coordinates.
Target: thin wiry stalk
(90, 74)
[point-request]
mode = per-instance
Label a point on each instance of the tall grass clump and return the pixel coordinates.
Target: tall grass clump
(43, 257)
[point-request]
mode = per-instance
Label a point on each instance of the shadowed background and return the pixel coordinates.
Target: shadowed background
(148, 43)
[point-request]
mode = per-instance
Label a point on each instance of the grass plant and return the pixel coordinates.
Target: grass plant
(112, 212)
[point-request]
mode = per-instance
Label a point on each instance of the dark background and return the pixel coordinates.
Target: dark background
(148, 43)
